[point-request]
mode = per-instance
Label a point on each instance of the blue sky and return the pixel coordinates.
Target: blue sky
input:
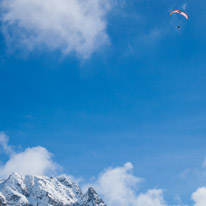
(138, 97)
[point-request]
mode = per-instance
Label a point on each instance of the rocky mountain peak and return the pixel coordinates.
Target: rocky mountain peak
(92, 198)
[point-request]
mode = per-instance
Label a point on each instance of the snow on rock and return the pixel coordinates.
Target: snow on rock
(31, 190)
(91, 198)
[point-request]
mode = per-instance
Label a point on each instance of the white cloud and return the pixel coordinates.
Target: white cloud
(71, 26)
(199, 197)
(118, 186)
(184, 6)
(4, 144)
(152, 197)
(34, 161)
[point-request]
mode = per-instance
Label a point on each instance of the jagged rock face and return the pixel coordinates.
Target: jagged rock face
(30, 190)
(91, 198)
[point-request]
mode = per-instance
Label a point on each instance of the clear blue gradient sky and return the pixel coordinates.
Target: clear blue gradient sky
(141, 98)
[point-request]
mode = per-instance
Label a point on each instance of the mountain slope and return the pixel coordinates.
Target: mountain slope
(31, 190)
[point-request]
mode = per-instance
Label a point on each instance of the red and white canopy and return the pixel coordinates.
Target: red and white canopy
(180, 12)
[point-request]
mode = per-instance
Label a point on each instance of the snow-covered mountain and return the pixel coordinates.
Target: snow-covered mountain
(30, 190)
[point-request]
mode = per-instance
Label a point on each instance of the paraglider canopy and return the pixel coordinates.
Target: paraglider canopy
(180, 12)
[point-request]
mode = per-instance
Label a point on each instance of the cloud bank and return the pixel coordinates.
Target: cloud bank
(70, 26)
(118, 186)
(34, 161)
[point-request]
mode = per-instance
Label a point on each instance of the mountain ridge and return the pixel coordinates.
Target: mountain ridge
(31, 190)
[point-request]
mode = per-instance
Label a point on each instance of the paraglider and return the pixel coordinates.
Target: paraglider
(180, 12)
